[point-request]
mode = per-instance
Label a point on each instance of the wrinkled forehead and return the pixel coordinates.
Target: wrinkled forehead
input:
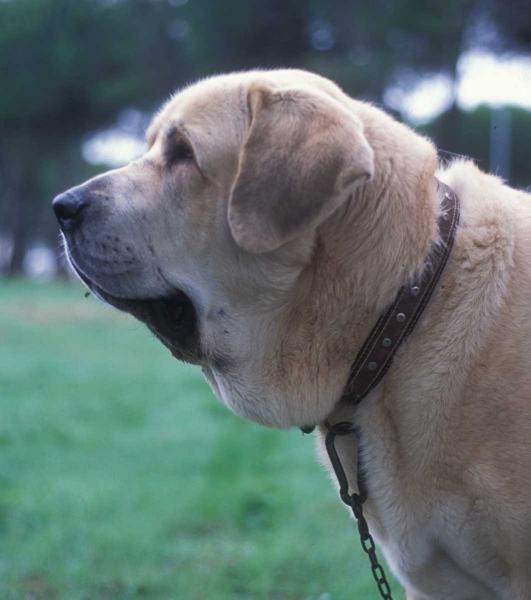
(211, 112)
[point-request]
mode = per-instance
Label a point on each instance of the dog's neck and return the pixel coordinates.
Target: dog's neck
(381, 237)
(379, 240)
(365, 252)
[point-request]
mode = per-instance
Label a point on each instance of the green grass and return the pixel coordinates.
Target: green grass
(122, 477)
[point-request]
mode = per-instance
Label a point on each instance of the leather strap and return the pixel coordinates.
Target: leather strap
(392, 328)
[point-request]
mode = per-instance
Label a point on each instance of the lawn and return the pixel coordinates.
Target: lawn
(122, 477)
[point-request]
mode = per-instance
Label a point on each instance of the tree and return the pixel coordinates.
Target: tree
(67, 68)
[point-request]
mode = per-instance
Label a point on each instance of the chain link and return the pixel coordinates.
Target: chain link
(367, 543)
(355, 501)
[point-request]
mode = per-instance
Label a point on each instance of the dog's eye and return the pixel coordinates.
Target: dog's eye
(178, 152)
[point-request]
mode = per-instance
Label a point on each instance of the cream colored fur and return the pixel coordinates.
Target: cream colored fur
(288, 280)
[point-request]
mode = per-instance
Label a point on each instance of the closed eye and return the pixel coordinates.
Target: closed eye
(178, 151)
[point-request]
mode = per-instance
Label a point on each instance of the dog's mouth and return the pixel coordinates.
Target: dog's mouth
(172, 318)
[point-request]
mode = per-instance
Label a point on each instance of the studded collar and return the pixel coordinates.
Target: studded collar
(394, 325)
(392, 328)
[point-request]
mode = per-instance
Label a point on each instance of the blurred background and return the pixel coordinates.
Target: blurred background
(120, 475)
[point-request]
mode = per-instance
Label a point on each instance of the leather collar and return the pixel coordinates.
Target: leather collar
(394, 325)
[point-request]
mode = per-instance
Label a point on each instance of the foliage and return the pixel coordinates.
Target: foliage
(67, 67)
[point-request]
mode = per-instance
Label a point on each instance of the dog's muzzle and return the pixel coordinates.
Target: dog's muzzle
(171, 317)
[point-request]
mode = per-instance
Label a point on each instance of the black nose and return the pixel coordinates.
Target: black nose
(67, 207)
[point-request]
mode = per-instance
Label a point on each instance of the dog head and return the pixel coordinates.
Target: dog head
(209, 237)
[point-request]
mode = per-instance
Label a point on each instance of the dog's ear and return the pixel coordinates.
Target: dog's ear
(302, 157)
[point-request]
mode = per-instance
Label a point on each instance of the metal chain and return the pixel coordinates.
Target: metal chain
(355, 501)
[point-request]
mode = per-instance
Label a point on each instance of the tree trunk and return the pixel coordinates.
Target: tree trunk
(14, 225)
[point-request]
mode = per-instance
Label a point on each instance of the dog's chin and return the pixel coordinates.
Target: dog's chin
(172, 318)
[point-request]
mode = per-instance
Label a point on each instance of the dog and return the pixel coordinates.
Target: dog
(269, 223)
